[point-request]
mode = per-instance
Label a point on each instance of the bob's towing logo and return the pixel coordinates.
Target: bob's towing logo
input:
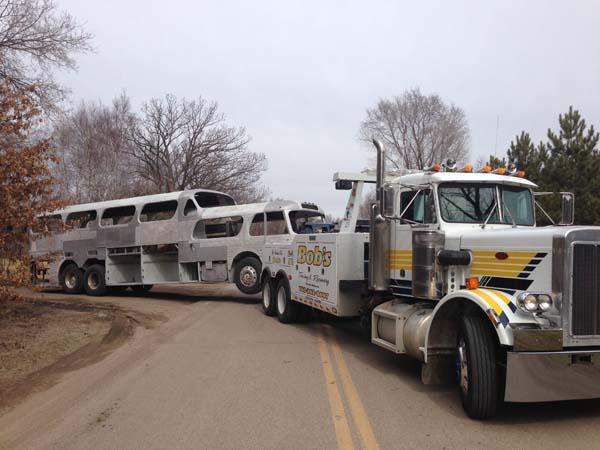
(314, 257)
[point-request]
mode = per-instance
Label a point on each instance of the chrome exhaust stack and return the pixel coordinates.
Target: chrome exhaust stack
(379, 235)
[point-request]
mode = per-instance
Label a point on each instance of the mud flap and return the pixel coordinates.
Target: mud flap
(438, 370)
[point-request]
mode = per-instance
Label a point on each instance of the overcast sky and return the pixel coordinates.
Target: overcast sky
(299, 75)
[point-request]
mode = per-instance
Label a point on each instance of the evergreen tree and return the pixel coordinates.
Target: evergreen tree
(527, 157)
(573, 165)
(496, 162)
(568, 162)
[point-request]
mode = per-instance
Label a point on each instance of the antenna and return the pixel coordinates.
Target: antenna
(496, 144)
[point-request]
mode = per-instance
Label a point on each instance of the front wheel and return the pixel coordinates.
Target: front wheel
(477, 368)
(247, 275)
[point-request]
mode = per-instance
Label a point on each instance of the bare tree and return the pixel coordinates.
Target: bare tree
(35, 37)
(418, 129)
(93, 148)
(181, 144)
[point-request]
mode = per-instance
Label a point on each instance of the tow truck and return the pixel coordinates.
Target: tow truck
(455, 273)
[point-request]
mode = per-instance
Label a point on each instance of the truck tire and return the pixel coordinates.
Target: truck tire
(268, 296)
(247, 275)
(71, 279)
(141, 288)
(94, 280)
(477, 368)
(287, 310)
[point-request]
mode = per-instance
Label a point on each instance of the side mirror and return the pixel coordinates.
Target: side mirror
(567, 208)
(388, 200)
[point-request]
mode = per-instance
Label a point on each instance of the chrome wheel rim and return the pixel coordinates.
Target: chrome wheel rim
(281, 300)
(93, 281)
(463, 367)
(266, 295)
(71, 280)
(248, 276)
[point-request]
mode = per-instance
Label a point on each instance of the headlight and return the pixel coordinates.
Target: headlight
(544, 302)
(528, 301)
(534, 302)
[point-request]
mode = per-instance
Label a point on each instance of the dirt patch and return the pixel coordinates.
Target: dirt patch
(41, 340)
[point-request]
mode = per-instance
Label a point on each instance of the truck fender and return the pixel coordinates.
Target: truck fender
(499, 307)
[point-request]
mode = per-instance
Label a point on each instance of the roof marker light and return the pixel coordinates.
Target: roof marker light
(449, 165)
(500, 171)
(468, 168)
(520, 174)
(434, 168)
(486, 169)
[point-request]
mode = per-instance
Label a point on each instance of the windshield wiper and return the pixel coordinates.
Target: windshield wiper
(489, 215)
(512, 218)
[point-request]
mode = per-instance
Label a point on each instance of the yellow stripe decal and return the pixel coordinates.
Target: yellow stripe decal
(503, 266)
(399, 259)
(486, 263)
(504, 297)
(489, 300)
(490, 272)
(510, 253)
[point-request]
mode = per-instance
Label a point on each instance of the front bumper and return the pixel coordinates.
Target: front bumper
(551, 376)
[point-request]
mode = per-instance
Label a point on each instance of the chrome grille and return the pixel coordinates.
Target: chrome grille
(586, 290)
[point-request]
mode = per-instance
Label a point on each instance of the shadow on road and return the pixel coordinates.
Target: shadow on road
(175, 293)
(355, 343)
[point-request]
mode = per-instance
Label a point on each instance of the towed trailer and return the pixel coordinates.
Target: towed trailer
(455, 273)
(177, 237)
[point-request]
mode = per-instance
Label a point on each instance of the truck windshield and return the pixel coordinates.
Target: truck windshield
(306, 221)
(478, 203)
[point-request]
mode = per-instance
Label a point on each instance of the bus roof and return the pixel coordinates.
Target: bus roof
(141, 200)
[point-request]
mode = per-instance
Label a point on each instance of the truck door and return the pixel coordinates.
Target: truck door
(416, 208)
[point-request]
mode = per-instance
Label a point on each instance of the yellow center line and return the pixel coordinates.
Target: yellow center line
(340, 423)
(359, 416)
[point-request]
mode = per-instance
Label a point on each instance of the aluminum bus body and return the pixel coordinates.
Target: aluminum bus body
(177, 237)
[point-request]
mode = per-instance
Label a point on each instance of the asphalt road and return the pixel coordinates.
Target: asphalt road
(220, 374)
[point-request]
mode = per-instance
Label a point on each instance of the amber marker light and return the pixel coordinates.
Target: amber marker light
(520, 174)
(500, 171)
(493, 316)
(472, 283)
(436, 167)
(487, 168)
(468, 168)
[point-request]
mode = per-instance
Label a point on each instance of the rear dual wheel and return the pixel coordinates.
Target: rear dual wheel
(71, 279)
(94, 280)
(268, 296)
(288, 311)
